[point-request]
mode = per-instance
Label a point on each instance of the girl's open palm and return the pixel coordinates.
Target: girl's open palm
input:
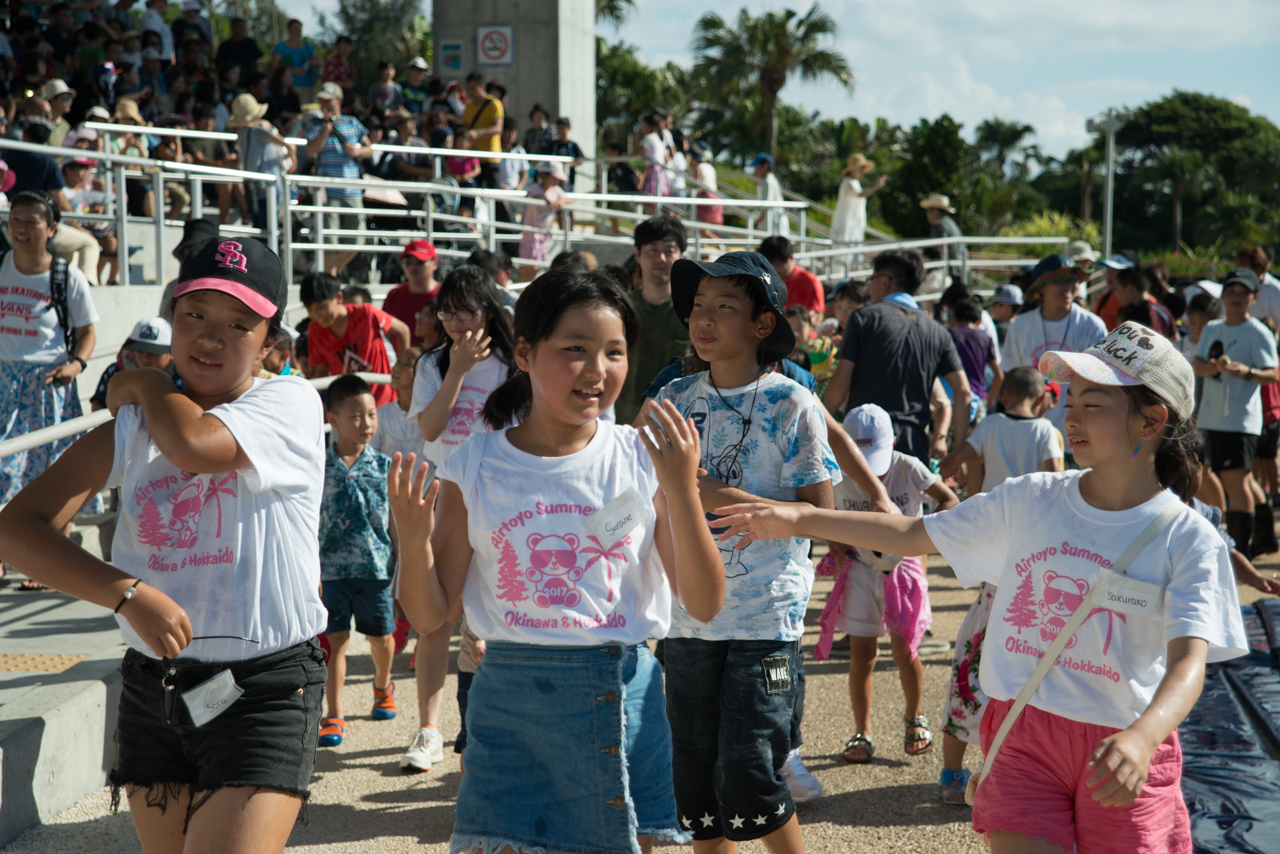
(469, 350)
(673, 445)
(758, 522)
(414, 513)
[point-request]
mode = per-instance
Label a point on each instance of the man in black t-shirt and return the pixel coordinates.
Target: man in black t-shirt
(241, 50)
(891, 354)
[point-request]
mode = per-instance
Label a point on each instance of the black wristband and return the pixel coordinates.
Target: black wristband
(84, 366)
(128, 594)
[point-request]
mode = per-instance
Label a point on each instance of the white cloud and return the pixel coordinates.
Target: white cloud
(1243, 100)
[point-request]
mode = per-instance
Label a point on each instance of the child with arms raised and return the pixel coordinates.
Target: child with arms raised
(878, 593)
(1016, 442)
(216, 574)
(452, 383)
(1094, 760)
(355, 550)
(734, 681)
(566, 538)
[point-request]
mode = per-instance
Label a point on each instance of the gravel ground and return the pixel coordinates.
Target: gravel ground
(359, 794)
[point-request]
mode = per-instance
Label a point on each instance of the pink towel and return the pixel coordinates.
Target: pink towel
(907, 612)
(835, 604)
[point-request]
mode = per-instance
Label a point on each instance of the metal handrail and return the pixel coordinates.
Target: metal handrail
(70, 427)
(152, 130)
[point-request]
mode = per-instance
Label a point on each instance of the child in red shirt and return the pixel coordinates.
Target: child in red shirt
(347, 339)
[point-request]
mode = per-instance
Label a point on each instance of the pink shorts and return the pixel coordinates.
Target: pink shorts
(1037, 788)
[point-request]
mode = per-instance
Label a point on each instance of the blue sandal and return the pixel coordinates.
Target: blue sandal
(951, 786)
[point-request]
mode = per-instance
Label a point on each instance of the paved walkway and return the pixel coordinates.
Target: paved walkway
(361, 802)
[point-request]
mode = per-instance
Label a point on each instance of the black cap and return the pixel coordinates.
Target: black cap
(687, 273)
(1243, 276)
(194, 232)
(242, 268)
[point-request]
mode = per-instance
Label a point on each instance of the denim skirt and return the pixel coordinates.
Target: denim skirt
(568, 750)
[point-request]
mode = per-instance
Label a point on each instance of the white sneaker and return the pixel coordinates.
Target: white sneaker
(803, 785)
(427, 749)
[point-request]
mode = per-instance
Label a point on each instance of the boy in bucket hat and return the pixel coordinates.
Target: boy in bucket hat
(734, 679)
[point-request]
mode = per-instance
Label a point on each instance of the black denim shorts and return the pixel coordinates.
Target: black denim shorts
(265, 739)
(731, 706)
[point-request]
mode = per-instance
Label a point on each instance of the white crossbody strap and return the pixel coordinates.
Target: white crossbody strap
(1173, 511)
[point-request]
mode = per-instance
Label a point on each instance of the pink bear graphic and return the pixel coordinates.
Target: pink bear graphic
(463, 417)
(555, 571)
(1062, 595)
(187, 503)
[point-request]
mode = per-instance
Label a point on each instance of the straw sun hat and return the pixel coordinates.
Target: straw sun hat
(858, 161)
(245, 110)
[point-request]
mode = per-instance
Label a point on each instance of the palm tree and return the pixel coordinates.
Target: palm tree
(998, 138)
(1082, 164)
(761, 53)
(614, 11)
(1183, 173)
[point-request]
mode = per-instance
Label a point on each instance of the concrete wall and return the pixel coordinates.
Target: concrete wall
(555, 59)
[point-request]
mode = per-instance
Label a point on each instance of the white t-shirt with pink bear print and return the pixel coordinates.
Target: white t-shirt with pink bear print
(541, 573)
(465, 418)
(1037, 539)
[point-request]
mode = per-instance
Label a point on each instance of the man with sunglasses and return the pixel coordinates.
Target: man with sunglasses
(60, 96)
(419, 289)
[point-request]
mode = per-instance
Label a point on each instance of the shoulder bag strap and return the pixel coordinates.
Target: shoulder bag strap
(58, 296)
(479, 113)
(1173, 511)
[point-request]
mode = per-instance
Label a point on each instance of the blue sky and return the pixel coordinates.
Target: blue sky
(1048, 63)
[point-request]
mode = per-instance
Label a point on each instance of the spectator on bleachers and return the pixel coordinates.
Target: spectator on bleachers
(482, 120)
(338, 143)
(153, 21)
(539, 138)
(565, 147)
(406, 300)
(414, 87)
(241, 49)
(59, 95)
(385, 95)
(116, 18)
(772, 220)
(298, 57)
(803, 287)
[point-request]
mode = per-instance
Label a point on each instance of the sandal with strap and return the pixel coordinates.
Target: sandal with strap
(951, 786)
(922, 733)
(860, 741)
(331, 732)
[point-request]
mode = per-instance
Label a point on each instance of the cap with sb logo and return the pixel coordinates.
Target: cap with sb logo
(244, 269)
(1130, 355)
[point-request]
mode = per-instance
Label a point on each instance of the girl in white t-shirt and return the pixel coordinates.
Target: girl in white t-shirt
(215, 582)
(450, 388)
(565, 537)
(1093, 761)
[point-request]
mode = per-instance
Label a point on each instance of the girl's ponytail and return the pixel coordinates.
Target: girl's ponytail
(1179, 453)
(509, 403)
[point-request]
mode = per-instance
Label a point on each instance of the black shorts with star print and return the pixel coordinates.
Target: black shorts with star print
(730, 704)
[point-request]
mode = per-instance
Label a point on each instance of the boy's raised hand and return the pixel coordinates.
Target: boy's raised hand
(673, 445)
(758, 522)
(414, 513)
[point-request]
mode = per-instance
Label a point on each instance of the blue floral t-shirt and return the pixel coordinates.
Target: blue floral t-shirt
(767, 584)
(354, 538)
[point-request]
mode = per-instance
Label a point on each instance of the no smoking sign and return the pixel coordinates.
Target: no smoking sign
(495, 45)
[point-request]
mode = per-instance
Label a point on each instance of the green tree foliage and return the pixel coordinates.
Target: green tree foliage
(759, 54)
(934, 160)
(614, 11)
(626, 89)
(1183, 174)
(379, 29)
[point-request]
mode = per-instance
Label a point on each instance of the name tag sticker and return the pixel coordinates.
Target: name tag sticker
(1128, 596)
(616, 519)
(211, 697)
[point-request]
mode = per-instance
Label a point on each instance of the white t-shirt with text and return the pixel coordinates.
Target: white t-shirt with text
(29, 330)
(540, 573)
(465, 418)
(238, 550)
(1045, 548)
(1030, 337)
(1012, 445)
(905, 481)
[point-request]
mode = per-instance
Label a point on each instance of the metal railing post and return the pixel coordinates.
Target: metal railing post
(804, 223)
(493, 224)
(157, 191)
(197, 197)
(287, 219)
(431, 207)
(122, 230)
(564, 223)
(317, 232)
(273, 218)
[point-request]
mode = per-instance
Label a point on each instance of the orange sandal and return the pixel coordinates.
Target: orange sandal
(384, 702)
(331, 731)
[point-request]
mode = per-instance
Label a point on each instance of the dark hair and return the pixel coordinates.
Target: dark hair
(905, 265)
(318, 287)
(1206, 304)
(208, 90)
(1254, 257)
(614, 145)
(340, 39)
(1024, 383)
(91, 30)
(469, 287)
(36, 199)
(620, 274)
(509, 123)
(574, 260)
(1133, 277)
(1177, 461)
(490, 262)
(538, 312)
(659, 228)
(563, 122)
(203, 110)
(1175, 302)
(357, 291)
(776, 249)
(475, 77)
(966, 310)
(855, 290)
(344, 388)
(796, 310)
(291, 22)
(36, 132)
(1135, 312)
(538, 108)
(254, 79)
(384, 64)
(1158, 277)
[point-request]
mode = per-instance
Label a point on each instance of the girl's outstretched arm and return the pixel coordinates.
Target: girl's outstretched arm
(1123, 760)
(684, 541)
(899, 535)
(434, 553)
(31, 540)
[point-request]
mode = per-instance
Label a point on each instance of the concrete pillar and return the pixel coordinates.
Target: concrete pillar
(552, 60)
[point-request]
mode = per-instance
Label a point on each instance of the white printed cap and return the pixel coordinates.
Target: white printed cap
(152, 335)
(871, 429)
(1131, 354)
